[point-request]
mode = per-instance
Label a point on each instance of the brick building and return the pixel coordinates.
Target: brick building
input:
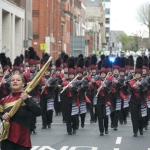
(52, 24)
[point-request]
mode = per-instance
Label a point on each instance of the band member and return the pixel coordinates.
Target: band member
(123, 92)
(82, 88)
(29, 75)
(92, 89)
(19, 135)
(65, 67)
(16, 65)
(115, 97)
(70, 93)
(103, 108)
(47, 97)
(86, 67)
(38, 64)
(7, 75)
(22, 66)
(59, 76)
(136, 99)
(144, 83)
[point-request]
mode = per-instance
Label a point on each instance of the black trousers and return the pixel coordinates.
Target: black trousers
(63, 98)
(32, 124)
(82, 116)
(67, 113)
(102, 118)
(7, 145)
(137, 120)
(43, 104)
(146, 118)
(57, 104)
(114, 117)
(49, 117)
(90, 105)
(124, 114)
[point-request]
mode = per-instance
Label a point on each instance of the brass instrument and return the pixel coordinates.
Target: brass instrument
(5, 126)
(69, 84)
(103, 82)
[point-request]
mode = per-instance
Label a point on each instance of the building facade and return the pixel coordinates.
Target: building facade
(114, 40)
(107, 19)
(12, 26)
(56, 23)
(95, 25)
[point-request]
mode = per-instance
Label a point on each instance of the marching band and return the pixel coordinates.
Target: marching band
(76, 85)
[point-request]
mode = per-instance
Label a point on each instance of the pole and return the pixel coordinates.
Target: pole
(51, 26)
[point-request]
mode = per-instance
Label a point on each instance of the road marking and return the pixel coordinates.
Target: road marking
(116, 148)
(148, 148)
(46, 148)
(118, 141)
(76, 147)
(64, 148)
(35, 147)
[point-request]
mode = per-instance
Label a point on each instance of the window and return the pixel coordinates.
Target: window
(106, 0)
(107, 29)
(107, 11)
(107, 21)
(107, 39)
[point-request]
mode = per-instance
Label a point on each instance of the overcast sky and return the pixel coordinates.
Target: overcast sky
(123, 15)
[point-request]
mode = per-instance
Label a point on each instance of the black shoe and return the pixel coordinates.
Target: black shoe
(141, 132)
(135, 135)
(101, 134)
(106, 131)
(115, 128)
(95, 120)
(74, 131)
(82, 125)
(49, 126)
(146, 128)
(69, 133)
(44, 127)
(91, 121)
(125, 121)
(34, 131)
(121, 123)
(111, 126)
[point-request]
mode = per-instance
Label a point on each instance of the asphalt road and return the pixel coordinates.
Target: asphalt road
(88, 138)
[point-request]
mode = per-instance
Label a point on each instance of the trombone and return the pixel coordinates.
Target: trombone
(109, 73)
(69, 84)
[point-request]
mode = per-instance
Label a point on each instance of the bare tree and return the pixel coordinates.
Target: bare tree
(143, 15)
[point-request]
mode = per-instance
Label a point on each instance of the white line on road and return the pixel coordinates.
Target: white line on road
(118, 141)
(116, 148)
(64, 148)
(148, 148)
(35, 147)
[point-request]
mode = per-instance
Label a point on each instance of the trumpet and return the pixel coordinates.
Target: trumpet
(69, 84)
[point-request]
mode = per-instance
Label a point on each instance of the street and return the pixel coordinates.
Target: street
(88, 138)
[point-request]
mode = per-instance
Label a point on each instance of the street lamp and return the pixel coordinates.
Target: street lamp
(51, 23)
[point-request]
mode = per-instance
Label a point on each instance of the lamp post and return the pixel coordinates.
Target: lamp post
(51, 26)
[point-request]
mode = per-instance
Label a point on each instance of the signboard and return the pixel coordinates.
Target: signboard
(43, 46)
